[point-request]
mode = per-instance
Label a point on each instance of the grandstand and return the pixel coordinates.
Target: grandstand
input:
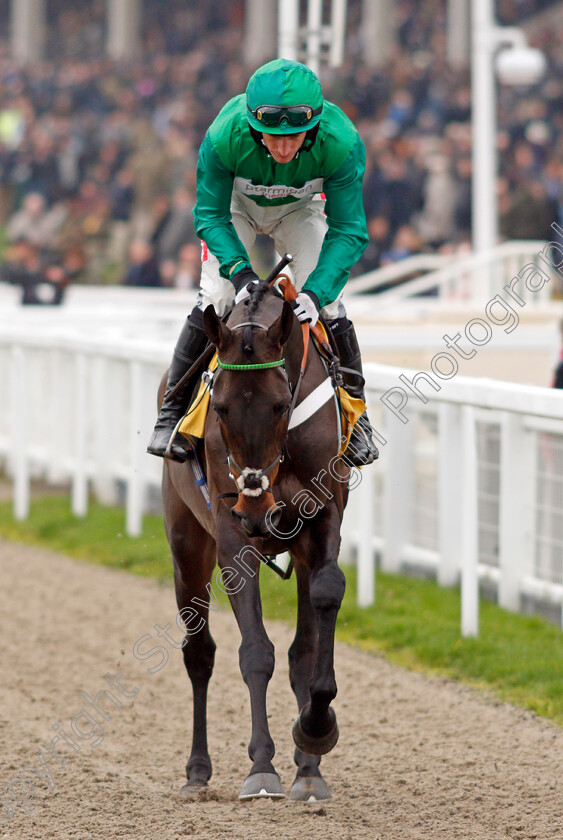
(110, 135)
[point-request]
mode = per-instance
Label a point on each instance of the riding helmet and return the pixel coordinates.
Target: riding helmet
(284, 84)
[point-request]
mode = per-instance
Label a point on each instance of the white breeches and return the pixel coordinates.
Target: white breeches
(298, 229)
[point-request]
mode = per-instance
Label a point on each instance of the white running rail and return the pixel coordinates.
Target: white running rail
(468, 488)
(81, 410)
(475, 278)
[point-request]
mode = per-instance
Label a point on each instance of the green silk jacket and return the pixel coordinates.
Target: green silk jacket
(230, 159)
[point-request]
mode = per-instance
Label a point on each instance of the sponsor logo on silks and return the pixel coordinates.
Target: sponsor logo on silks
(246, 187)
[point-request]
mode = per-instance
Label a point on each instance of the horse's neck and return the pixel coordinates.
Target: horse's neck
(293, 351)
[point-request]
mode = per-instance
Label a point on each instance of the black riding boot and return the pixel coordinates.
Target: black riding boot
(189, 347)
(361, 447)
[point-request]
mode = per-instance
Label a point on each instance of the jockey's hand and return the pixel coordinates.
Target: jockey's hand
(241, 281)
(307, 308)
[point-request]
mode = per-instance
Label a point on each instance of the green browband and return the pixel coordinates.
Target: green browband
(258, 366)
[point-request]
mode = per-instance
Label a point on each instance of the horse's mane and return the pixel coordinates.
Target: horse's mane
(257, 294)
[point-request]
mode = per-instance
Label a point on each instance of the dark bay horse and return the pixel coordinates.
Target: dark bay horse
(271, 491)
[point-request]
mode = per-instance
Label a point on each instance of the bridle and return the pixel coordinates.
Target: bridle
(260, 477)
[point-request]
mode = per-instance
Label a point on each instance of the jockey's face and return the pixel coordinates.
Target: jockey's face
(283, 147)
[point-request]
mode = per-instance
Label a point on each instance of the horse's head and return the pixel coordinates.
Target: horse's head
(252, 398)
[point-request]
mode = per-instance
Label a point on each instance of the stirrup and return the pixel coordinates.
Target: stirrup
(178, 445)
(168, 447)
(166, 442)
(361, 449)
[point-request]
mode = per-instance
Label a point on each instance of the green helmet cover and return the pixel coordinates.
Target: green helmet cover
(283, 83)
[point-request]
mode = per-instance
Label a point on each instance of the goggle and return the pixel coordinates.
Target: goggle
(271, 116)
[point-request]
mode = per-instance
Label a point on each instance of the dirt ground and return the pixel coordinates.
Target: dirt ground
(418, 758)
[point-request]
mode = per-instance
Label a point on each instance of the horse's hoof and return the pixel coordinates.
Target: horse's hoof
(309, 789)
(191, 791)
(261, 785)
(315, 746)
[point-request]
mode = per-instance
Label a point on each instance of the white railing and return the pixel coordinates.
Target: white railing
(469, 488)
(474, 278)
(81, 410)
(469, 485)
(397, 272)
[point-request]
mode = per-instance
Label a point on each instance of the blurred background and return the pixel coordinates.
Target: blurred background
(103, 107)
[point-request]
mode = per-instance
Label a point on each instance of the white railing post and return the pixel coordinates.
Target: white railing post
(350, 533)
(517, 508)
(366, 557)
(19, 458)
(450, 512)
(469, 569)
(79, 476)
(104, 483)
(137, 443)
(57, 410)
(397, 493)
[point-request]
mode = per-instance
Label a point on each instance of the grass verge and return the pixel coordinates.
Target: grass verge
(414, 622)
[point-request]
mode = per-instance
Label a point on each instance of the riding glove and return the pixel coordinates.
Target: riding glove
(307, 307)
(241, 281)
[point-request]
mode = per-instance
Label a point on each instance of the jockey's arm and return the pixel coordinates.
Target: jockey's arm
(347, 235)
(212, 213)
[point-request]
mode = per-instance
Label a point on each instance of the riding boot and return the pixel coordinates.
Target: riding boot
(189, 347)
(361, 448)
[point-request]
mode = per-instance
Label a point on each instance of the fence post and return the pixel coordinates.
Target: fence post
(366, 558)
(517, 509)
(137, 443)
(350, 531)
(469, 561)
(398, 493)
(19, 459)
(450, 511)
(79, 475)
(104, 483)
(59, 409)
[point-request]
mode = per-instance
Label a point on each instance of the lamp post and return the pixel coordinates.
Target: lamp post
(520, 64)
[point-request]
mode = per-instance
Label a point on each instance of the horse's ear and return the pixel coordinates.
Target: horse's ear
(279, 332)
(216, 331)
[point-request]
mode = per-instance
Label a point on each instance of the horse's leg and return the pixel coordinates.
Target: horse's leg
(308, 783)
(315, 731)
(193, 553)
(256, 657)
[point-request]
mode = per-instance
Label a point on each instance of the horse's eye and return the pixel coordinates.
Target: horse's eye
(220, 410)
(281, 407)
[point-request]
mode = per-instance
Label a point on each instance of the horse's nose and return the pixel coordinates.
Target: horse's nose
(253, 527)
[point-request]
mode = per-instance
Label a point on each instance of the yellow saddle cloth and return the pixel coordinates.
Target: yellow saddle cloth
(193, 424)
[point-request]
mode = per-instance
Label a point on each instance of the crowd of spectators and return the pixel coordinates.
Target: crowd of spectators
(98, 158)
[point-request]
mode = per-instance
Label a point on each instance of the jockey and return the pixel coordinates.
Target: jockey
(281, 161)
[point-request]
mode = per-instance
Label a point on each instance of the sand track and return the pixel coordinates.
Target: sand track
(417, 758)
